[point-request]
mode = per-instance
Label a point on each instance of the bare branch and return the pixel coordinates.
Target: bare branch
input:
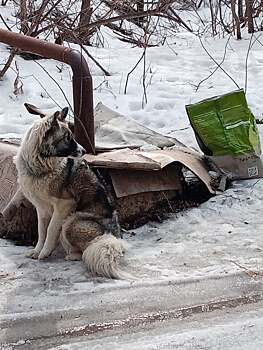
(8, 62)
(219, 66)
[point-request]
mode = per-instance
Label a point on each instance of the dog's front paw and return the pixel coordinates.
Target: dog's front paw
(33, 254)
(44, 254)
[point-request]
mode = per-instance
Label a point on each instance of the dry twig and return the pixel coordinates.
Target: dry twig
(219, 66)
(8, 62)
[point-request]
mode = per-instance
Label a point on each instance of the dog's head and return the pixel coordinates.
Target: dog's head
(58, 140)
(55, 139)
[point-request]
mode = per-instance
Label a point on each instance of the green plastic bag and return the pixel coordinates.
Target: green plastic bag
(224, 125)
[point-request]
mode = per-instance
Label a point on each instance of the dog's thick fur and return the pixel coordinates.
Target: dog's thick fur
(68, 197)
(85, 236)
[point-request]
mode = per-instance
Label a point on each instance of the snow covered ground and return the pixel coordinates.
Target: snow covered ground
(223, 236)
(238, 330)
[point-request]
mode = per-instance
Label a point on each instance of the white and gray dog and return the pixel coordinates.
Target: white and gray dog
(69, 198)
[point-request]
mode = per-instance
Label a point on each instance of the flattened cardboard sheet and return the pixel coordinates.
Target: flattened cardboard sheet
(129, 182)
(122, 159)
(153, 160)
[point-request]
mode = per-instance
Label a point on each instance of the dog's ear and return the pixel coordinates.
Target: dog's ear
(55, 118)
(63, 114)
(34, 110)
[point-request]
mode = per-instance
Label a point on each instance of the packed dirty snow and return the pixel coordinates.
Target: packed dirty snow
(240, 331)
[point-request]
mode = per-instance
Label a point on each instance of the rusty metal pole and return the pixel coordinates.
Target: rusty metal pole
(82, 81)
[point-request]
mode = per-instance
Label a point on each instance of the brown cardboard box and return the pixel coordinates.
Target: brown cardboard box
(247, 166)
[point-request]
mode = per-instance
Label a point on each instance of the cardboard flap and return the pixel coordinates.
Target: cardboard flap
(153, 161)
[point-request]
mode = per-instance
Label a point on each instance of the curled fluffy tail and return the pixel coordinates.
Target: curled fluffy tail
(103, 257)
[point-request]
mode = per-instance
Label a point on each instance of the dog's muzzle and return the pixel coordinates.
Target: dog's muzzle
(79, 150)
